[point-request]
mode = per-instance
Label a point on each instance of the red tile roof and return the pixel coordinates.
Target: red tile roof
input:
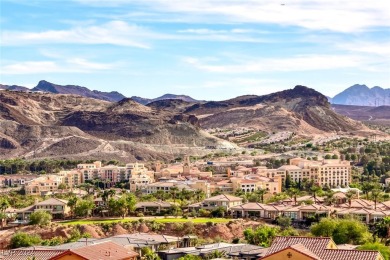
(317, 248)
(102, 251)
(23, 254)
(345, 254)
(314, 244)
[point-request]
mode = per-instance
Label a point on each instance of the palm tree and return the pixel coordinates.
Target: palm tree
(174, 191)
(105, 195)
(350, 196)
(293, 193)
(329, 198)
(111, 193)
(216, 254)
(366, 188)
(314, 190)
(72, 204)
(260, 193)
(199, 195)
(376, 193)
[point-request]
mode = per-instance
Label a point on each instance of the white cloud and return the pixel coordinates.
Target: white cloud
(296, 63)
(377, 48)
(333, 15)
(72, 65)
(114, 33)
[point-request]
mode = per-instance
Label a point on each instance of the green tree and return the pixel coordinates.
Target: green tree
(350, 195)
(343, 231)
(384, 250)
(314, 190)
(293, 193)
(148, 254)
(376, 194)
(366, 188)
(329, 198)
(4, 204)
(260, 193)
(117, 207)
(21, 239)
(262, 235)
(190, 257)
(174, 190)
(324, 228)
(287, 182)
(283, 222)
(219, 212)
(84, 208)
(62, 186)
(72, 202)
(41, 218)
(216, 254)
(382, 229)
(131, 201)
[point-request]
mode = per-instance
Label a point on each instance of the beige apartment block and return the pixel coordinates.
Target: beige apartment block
(43, 185)
(71, 178)
(333, 173)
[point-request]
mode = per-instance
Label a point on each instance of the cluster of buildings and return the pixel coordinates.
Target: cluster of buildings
(129, 247)
(299, 209)
(236, 176)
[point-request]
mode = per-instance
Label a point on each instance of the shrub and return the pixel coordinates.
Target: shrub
(42, 218)
(21, 239)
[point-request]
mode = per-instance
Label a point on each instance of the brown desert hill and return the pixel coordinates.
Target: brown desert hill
(369, 114)
(302, 110)
(46, 86)
(176, 105)
(36, 125)
(146, 101)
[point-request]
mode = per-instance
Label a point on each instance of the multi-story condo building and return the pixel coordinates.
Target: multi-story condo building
(70, 178)
(326, 172)
(138, 175)
(112, 173)
(89, 171)
(15, 180)
(43, 185)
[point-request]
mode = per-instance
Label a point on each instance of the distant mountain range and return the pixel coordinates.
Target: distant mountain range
(45, 86)
(361, 95)
(113, 96)
(356, 95)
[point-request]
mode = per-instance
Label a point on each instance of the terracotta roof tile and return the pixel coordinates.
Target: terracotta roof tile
(23, 254)
(314, 244)
(344, 254)
(102, 251)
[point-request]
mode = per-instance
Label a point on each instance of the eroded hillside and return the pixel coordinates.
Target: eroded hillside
(49, 125)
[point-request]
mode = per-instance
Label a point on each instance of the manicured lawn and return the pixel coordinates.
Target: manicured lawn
(196, 220)
(160, 220)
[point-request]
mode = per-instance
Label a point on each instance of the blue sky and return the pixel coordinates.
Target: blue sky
(208, 49)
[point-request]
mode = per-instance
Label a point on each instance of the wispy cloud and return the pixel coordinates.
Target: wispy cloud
(333, 15)
(72, 65)
(297, 63)
(113, 33)
(377, 48)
